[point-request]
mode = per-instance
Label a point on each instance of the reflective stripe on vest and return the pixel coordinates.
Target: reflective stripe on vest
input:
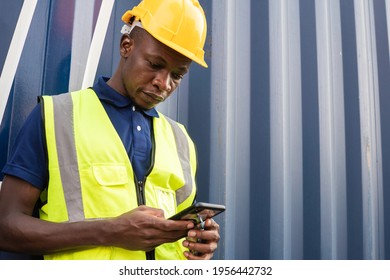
(184, 157)
(67, 156)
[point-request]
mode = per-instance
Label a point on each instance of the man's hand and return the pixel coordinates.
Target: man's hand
(209, 238)
(145, 228)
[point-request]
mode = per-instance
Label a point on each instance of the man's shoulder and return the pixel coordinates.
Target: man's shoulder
(168, 120)
(77, 94)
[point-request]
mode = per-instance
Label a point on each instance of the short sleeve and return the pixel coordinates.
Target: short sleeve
(28, 157)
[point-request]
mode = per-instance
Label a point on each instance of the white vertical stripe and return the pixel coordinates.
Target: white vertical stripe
(238, 129)
(219, 99)
(230, 135)
(388, 20)
(373, 229)
(97, 42)
(81, 40)
(332, 131)
(15, 52)
(286, 131)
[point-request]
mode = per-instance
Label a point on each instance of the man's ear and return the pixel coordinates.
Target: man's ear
(126, 45)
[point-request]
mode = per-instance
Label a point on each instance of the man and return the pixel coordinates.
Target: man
(106, 178)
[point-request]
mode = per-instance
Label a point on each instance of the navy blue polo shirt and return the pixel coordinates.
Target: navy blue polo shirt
(28, 157)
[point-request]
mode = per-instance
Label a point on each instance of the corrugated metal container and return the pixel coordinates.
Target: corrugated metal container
(290, 119)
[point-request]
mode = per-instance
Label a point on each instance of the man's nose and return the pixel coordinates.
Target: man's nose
(163, 81)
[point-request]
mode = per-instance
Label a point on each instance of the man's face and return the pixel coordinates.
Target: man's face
(150, 71)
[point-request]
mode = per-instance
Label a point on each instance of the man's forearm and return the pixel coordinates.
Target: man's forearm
(25, 234)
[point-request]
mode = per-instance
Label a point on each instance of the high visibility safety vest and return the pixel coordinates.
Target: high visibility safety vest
(91, 176)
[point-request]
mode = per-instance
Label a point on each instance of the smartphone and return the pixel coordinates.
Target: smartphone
(199, 212)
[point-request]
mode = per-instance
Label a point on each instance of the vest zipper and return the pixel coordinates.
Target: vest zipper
(141, 184)
(141, 187)
(141, 201)
(140, 192)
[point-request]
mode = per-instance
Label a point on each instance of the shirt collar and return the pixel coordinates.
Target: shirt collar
(111, 96)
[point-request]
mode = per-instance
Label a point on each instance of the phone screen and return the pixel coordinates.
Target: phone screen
(199, 212)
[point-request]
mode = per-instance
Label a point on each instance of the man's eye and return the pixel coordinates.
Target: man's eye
(154, 65)
(177, 76)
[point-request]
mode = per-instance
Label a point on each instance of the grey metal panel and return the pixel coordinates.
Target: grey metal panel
(371, 150)
(81, 40)
(260, 132)
(229, 169)
(9, 15)
(332, 131)
(336, 210)
(286, 131)
(352, 131)
(310, 132)
(383, 55)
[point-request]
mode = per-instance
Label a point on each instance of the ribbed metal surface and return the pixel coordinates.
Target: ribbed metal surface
(370, 126)
(332, 131)
(290, 119)
(324, 202)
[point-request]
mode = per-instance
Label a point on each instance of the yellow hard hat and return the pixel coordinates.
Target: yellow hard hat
(179, 24)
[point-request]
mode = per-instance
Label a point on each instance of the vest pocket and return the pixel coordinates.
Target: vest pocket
(110, 175)
(107, 190)
(166, 200)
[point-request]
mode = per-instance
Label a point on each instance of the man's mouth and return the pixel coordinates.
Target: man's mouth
(155, 96)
